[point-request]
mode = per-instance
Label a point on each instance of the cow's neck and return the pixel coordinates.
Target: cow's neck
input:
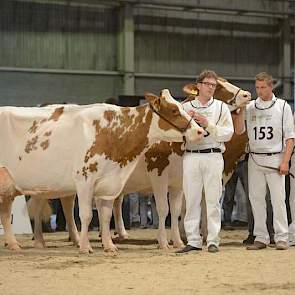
(157, 156)
(124, 135)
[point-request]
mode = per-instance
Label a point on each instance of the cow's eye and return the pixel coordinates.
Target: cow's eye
(245, 95)
(175, 111)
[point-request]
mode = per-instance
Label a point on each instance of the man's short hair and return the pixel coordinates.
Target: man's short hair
(206, 74)
(263, 76)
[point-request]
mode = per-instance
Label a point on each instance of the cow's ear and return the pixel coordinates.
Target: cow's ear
(191, 89)
(219, 84)
(189, 98)
(153, 99)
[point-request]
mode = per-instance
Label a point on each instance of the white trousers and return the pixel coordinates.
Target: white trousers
(202, 171)
(292, 203)
(258, 179)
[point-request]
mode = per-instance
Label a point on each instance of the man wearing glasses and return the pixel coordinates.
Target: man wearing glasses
(203, 163)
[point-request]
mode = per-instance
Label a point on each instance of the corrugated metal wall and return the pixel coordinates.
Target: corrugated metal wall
(188, 44)
(57, 36)
(64, 37)
(48, 36)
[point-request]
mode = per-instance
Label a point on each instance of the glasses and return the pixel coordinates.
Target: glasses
(208, 84)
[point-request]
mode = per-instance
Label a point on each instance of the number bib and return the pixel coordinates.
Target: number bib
(265, 127)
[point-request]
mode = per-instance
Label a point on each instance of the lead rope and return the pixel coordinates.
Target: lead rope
(182, 130)
(269, 167)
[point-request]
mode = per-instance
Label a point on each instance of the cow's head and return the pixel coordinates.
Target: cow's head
(232, 95)
(171, 122)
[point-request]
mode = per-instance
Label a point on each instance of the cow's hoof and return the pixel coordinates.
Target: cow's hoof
(13, 247)
(76, 243)
(87, 250)
(164, 247)
(111, 252)
(39, 245)
(178, 245)
(111, 249)
(123, 237)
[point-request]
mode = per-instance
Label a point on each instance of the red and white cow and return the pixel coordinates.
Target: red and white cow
(59, 150)
(160, 171)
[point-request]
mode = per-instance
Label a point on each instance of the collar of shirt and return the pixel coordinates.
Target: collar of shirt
(197, 104)
(263, 103)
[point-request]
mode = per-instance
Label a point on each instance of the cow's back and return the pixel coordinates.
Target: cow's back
(42, 147)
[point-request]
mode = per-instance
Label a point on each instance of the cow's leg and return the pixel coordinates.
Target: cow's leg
(105, 215)
(68, 204)
(175, 200)
(5, 214)
(38, 212)
(85, 197)
(7, 194)
(119, 223)
(160, 193)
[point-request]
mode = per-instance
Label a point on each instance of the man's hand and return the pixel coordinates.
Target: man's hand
(201, 120)
(284, 168)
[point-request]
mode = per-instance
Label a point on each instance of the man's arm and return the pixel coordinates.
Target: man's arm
(239, 121)
(284, 166)
(288, 131)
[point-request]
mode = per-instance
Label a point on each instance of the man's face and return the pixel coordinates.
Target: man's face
(207, 87)
(264, 90)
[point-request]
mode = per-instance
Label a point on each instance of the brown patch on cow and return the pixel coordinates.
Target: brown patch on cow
(56, 114)
(235, 149)
(34, 127)
(45, 144)
(93, 167)
(48, 133)
(178, 148)
(84, 172)
(171, 113)
(31, 144)
(222, 93)
(90, 168)
(123, 138)
(109, 115)
(157, 156)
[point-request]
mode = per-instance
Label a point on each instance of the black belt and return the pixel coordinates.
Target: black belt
(266, 154)
(205, 151)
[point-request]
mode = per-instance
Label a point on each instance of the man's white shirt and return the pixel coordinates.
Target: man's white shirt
(220, 126)
(269, 124)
